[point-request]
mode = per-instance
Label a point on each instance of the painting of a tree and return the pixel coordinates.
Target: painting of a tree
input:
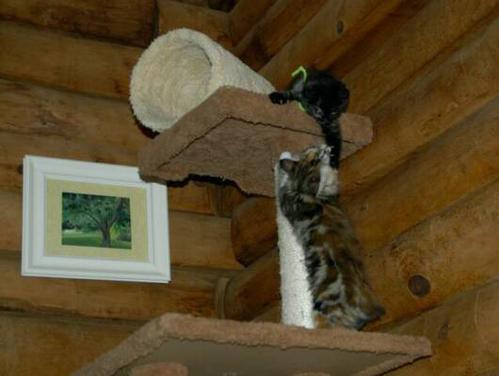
(93, 220)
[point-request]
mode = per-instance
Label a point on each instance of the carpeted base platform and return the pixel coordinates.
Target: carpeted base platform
(176, 344)
(238, 135)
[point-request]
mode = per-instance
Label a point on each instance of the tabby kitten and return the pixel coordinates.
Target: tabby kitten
(324, 98)
(308, 197)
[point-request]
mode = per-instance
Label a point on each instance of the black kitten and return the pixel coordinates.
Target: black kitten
(324, 98)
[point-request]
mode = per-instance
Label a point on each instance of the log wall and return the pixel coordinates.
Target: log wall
(63, 93)
(422, 196)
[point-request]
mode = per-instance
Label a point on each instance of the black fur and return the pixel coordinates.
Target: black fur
(324, 98)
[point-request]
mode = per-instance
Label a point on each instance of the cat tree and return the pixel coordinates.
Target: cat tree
(238, 135)
(215, 117)
(180, 344)
(229, 129)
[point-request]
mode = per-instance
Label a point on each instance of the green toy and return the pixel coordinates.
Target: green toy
(303, 71)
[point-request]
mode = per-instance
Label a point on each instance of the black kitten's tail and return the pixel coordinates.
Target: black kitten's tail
(333, 138)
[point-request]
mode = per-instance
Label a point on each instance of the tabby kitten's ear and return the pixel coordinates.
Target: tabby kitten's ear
(287, 163)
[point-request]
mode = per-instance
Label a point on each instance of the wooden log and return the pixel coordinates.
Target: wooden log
(128, 22)
(281, 22)
(192, 197)
(460, 161)
(441, 96)
(334, 30)
(195, 239)
(214, 23)
(232, 197)
(13, 147)
(252, 290)
(270, 314)
(190, 291)
(201, 240)
(45, 345)
(372, 42)
(253, 229)
(56, 123)
(78, 64)
(421, 38)
(450, 252)
(244, 15)
(464, 332)
(27, 109)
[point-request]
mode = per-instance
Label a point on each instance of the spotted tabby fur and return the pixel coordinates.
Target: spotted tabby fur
(308, 196)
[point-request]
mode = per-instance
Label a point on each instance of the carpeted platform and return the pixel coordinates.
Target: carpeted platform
(180, 344)
(238, 135)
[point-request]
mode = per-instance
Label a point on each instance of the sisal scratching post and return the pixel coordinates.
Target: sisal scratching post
(178, 71)
(296, 298)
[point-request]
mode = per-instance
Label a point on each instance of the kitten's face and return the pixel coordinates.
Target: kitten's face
(308, 174)
(322, 96)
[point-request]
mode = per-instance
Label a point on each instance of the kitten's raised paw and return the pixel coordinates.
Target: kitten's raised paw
(278, 98)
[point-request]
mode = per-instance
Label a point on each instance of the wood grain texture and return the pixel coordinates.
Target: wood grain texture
(440, 96)
(271, 314)
(252, 290)
(334, 30)
(253, 229)
(281, 22)
(123, 21)
(195, 239)
(404, 51)
(46, 345)
(460, 161)
(244, 15)
(201, 240)
(190, 291)
(78, 64)
(27, 109)
(372, 42)
(55, 123)
(464, 332)
(232, 197)
(455, 250)
(213, 23)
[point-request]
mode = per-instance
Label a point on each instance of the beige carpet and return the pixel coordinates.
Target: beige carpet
(180, 344)
(238, 135)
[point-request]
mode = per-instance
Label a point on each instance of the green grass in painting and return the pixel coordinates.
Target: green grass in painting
(90, 239)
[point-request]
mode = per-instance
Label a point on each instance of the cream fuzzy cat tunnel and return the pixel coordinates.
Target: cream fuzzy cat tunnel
(178, 71)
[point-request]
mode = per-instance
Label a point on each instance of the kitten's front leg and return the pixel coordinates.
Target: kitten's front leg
(280, 97)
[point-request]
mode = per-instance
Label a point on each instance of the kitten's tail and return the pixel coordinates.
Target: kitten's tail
(332, 135)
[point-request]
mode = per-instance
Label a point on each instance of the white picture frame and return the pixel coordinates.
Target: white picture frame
(49, 249)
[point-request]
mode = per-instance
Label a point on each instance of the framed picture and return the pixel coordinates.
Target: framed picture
(93, 221)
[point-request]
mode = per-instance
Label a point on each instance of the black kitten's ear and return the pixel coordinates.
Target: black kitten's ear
(287, 165)
(344, 93)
